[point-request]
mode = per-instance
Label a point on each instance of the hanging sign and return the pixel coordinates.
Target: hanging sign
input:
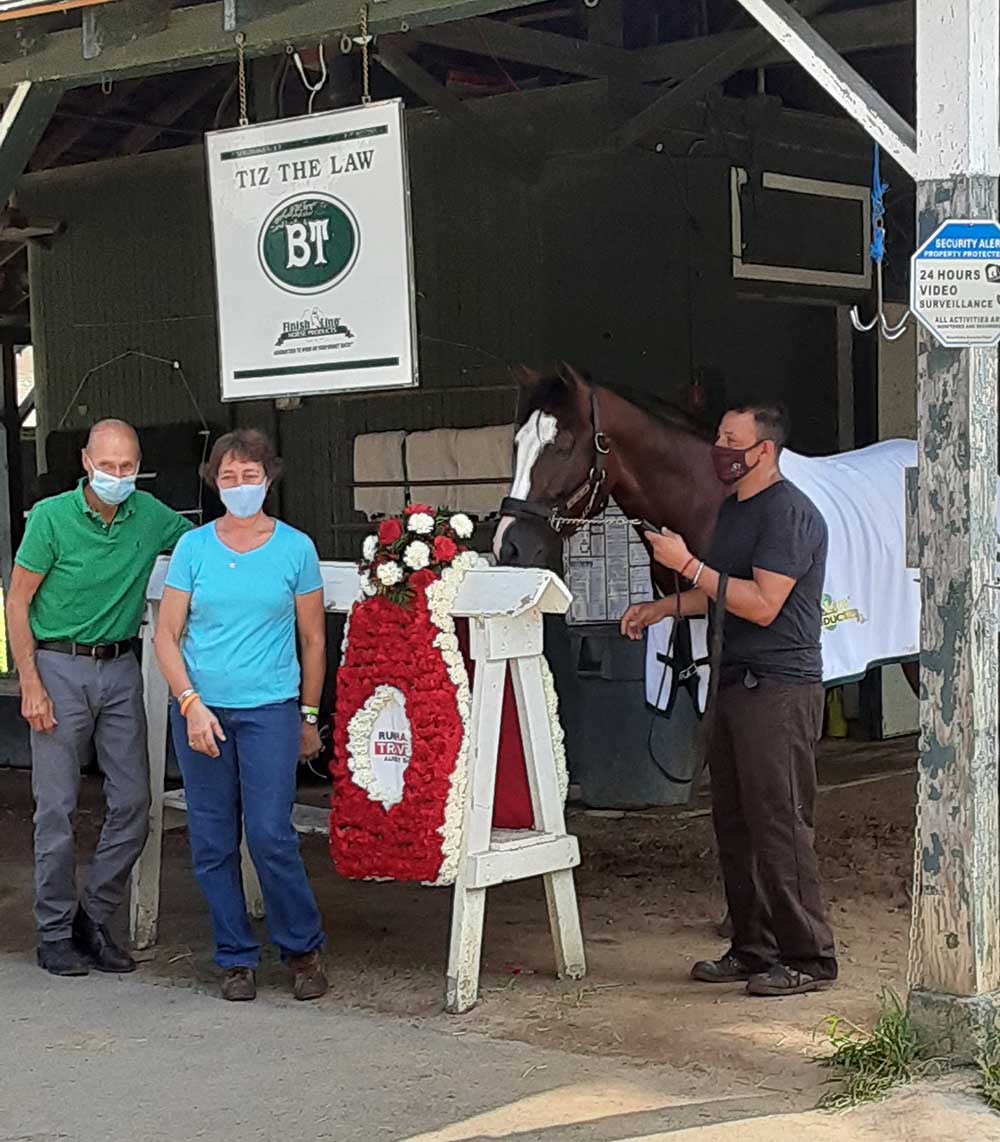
(955, 283)
(313, 254)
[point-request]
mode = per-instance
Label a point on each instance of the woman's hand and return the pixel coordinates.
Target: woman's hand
(310, 743)
(203, 729)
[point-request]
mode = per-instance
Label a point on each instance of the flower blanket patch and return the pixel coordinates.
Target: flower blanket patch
(401, 748)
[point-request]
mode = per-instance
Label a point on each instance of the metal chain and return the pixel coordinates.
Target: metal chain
(241, 58)
(365, 39)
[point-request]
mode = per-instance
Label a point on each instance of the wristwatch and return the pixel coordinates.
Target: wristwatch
(310, 715)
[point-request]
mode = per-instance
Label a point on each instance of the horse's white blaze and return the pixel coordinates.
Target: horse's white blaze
(537, 432)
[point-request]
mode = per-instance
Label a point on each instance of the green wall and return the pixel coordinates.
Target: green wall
(619, 262)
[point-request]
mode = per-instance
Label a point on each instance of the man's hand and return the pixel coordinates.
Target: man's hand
(669, 549)
(203, 729)
(639, 616)
(36, 707)
(311, 744)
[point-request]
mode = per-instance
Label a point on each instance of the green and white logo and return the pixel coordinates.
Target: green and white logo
(309, 243)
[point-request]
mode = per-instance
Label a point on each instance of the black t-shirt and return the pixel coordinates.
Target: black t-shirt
(781, 530)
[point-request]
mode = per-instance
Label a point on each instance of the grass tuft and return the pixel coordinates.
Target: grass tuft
(988, 1064)
(868, 1064)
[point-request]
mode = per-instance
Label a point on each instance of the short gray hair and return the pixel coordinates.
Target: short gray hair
(112, 425)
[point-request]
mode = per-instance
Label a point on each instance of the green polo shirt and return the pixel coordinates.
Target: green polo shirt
(96, 573)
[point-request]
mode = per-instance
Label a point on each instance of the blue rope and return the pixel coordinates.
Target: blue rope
(878, 210)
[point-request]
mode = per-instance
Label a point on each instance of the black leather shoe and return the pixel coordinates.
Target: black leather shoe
(94, 941)
(729, 969)
(60, 957)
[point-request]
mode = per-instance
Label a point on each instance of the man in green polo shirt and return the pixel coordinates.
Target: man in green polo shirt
(75, 604)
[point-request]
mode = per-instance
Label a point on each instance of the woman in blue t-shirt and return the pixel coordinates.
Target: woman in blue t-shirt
(237, 593)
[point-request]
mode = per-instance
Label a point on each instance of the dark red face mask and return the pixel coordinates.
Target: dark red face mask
(731, 463)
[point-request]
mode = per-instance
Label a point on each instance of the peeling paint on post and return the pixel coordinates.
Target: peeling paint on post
(954, 957)
(956, 901)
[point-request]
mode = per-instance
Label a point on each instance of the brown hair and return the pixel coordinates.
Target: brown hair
(244, 444)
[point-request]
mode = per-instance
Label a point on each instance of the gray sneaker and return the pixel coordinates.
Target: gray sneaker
(783, 980)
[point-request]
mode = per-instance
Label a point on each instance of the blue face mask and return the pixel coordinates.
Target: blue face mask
(112, 490)
(244, 501)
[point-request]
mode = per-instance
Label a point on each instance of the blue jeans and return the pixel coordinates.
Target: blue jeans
(252, 782)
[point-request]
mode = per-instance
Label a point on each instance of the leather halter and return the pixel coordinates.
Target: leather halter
(593, 490)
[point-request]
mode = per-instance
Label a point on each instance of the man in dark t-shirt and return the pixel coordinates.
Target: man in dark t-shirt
(771, 541)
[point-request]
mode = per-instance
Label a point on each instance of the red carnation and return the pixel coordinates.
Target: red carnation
(414, 508)
(389, 530)
(445, 549)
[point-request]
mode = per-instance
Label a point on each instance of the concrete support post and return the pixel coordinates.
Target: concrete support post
(955, 948)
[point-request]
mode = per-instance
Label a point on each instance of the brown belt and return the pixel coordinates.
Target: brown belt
(103, 650)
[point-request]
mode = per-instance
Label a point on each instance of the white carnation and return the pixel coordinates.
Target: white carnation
(461, 525)
(421, 523)
(389, 574)
(367, 586)
(417, 555)
(370, 547)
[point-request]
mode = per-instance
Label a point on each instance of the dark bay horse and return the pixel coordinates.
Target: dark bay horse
(580, 445)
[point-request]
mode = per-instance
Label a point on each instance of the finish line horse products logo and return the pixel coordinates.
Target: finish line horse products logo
(837, 611)
(309, 243)
(313, 327)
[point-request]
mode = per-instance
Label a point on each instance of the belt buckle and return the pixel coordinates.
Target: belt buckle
(104, 651)
(688, 672)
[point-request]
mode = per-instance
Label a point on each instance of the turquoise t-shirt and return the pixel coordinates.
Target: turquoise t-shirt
(239, 648)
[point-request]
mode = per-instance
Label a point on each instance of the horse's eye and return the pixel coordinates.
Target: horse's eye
(563, 444)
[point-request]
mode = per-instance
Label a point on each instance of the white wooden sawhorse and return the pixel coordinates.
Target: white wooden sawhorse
(505, 608)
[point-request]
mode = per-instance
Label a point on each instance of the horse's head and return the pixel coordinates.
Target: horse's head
(560, 477)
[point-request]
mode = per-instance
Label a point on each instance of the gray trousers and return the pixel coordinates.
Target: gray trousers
(96, 704)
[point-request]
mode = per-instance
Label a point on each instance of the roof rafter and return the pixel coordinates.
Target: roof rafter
(196, 37)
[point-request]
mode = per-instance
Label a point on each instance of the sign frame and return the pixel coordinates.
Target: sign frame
(372, 371)
(919, 256)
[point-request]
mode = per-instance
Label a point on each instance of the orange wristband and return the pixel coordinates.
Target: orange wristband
(186, 704)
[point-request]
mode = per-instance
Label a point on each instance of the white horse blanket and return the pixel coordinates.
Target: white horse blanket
(871, 599)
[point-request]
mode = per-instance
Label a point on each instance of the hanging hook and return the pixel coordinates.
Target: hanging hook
(107, 83)
(877, 253)
(313, 88)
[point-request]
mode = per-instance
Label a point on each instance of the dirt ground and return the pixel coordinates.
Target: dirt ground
(650, 897)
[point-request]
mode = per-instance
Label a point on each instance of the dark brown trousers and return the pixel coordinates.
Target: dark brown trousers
(763, 774)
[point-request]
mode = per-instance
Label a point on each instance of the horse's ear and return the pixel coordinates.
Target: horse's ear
(570, 377)
(525, 377)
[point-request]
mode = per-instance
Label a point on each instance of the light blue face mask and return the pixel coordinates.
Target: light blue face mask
(112, 490)
(244, 501)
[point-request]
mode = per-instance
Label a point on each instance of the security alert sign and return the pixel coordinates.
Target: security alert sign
(955, 283)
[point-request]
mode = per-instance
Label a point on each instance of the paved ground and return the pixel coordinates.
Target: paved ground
(109, 1060)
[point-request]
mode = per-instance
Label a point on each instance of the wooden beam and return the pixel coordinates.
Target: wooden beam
(955, 952)
(523, 163)
(22, 124)
(858, 29)
(43, 8)
(190, 93)
(838, 79)
(707, 77)
(122, 23)
(236, 14)
(486, 37)
(606, 23)
(196, 37)
(61, 139)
